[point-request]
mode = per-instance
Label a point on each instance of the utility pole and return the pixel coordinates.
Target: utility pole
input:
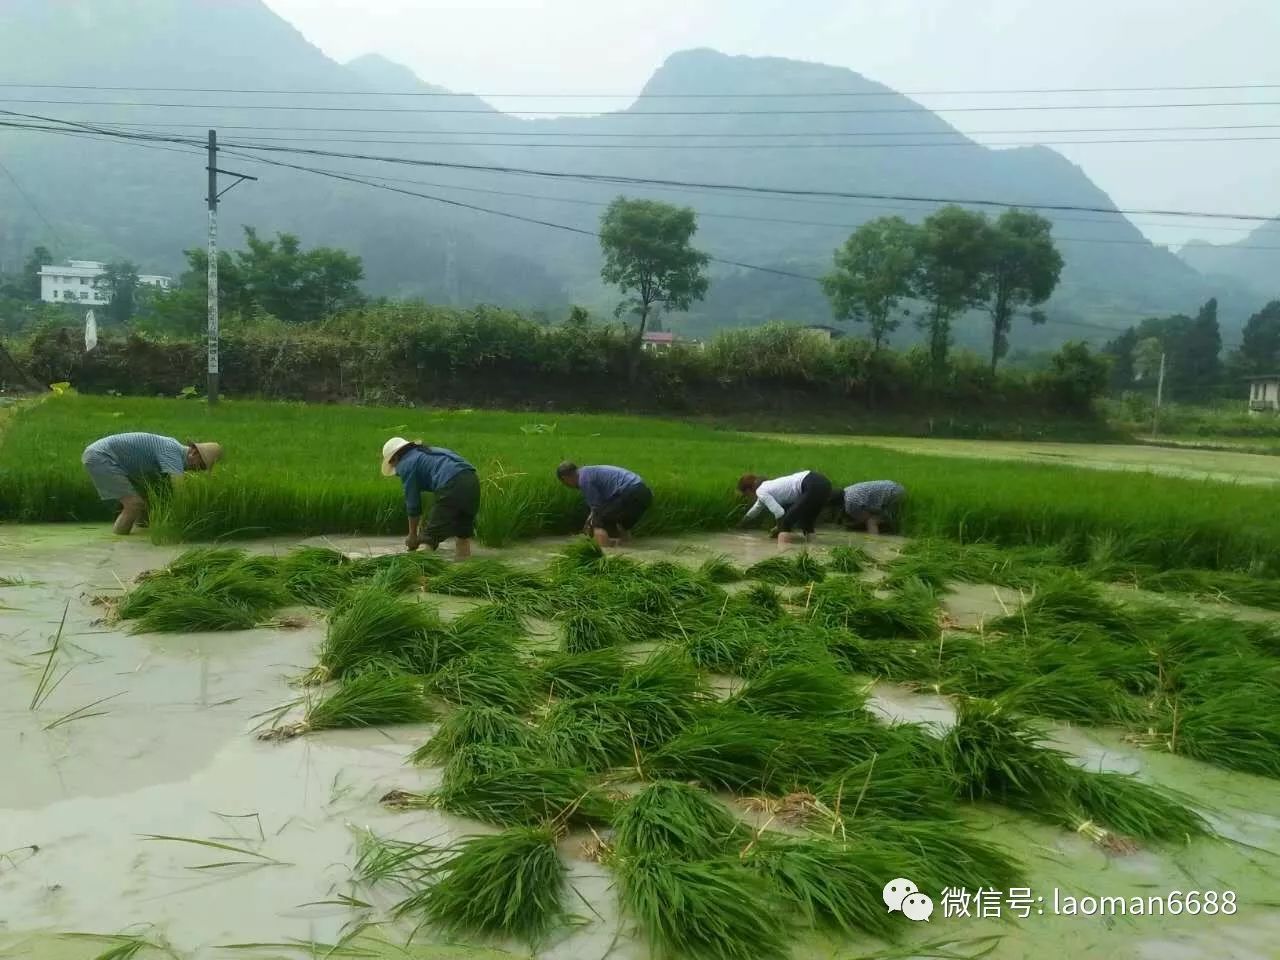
(1155, 416)
(213, 197)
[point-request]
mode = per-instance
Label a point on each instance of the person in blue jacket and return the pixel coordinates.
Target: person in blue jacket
(453, 482)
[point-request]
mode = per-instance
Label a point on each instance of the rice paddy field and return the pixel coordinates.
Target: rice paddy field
(293, 740)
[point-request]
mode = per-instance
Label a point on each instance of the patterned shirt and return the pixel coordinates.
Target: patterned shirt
(871, 496)
(426, 470)
(601, 484)
(142, 454)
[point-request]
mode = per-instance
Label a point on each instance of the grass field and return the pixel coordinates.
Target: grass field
(302, 469)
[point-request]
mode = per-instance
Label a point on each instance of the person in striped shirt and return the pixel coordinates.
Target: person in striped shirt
(795, 501)
(123, 465)
(872, 504)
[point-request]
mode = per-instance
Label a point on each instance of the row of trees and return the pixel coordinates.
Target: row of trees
(1195, 368)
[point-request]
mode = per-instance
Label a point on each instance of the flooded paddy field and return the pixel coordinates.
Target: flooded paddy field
(137, 800)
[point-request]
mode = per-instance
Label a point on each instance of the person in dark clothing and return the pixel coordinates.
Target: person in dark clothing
(795, 501)
(617, 499)
(450, 478)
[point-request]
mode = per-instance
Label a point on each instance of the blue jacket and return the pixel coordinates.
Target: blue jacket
(426, 470)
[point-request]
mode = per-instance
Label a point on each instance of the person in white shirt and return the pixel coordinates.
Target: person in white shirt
(795, 501)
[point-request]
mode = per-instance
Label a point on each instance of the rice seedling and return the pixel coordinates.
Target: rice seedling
(760, 602)
(1214, 585)
(483, 577)
(584, 630)
(938, 563)
(992, 755)
(583, 556)
(148, 592)
(191, 612)
(200, 560)
(124, 946)
(735, 752)
(318, 586)
(898, 660)
(494, 626)
(941, 853)
(799, 690)
(1131, 806)
(1131, 667)
(1076, 693)
(910, 612)
(480, 724)
(835, 886)
(893, 784)
(589, 732)
(46, 684)
(676, 820)
(724, 648)
(511, 884)
(376, 626)
(530, 793)
(382, 860)
(482, 760)
(720, 569)
(847, 559)
(665, 673)
(1073, 604)
(785, 642)
(707, 910)
(799, 570)
(365, 700)
(244, 584)
(578, 674)
(1235, 729)
(491, 677)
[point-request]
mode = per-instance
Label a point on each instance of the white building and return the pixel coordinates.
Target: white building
(75, 282)
(1264, 393)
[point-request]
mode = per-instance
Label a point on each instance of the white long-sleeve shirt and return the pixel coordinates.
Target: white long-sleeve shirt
(777, 494)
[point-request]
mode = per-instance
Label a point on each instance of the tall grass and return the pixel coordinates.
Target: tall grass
(272, 482)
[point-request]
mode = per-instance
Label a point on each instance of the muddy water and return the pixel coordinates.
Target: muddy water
(172, 754)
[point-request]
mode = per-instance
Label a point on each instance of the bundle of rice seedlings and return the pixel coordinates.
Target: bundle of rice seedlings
(481, 724)
(1235, 729)
(847, 559)
(494, 626)
(1131, 806)
(911, 611)
(938, 563)
(1214, 585)
(482, 760)
(760, 602)
(898, 660)
(383, 860)
(367, 700)
(529, 793)
(835, 886)
(991, 754)
(1070, 601)
(666, 673)
(510, 884)
(589, 732)
(787, 641)
(724, 648)
(241, 583)
(318, 586)
(676, 820)
(707, 910)
(893, 784)
(799, 690)
(1075, 693)
(200, 560)
(583, 556)
(936, 854)
(1191, 643)
(799, 570)
(148, 592)
(1133, 668)
(375, 626)
(578, 674)
(586, 629)
(187, 611)
(490, 677)
(483, 577)
(720, 569)
(734, 751)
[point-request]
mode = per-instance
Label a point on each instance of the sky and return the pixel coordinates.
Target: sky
(594, 47)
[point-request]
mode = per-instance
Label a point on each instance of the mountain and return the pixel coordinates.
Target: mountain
(1253, 261)
(821, 128)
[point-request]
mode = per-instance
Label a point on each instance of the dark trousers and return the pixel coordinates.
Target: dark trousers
(815, 491)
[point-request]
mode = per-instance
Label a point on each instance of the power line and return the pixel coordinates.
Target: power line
(62, 247)
(654, 113)
(739, 95)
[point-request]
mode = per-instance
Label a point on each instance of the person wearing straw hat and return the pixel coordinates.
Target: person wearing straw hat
(123, 465)
(795, 501)
(453, 481)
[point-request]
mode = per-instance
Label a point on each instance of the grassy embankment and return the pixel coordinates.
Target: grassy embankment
(296, 469)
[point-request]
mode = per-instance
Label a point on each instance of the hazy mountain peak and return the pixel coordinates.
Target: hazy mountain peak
(387, 75)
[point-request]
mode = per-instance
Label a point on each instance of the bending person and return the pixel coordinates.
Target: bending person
(123, 465)
(617, 499)
(795, 501)
(872, 504)
(453, 482)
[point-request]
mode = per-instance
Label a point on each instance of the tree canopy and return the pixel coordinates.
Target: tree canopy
(874, 271)
(1023, 266)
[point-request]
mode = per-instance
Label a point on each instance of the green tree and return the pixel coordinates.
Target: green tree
(118, 285)
(954, 252)
(649, 257)
(40, 257)
(1260, 343)
(1200, 367)
(1076, 377)
(297, 286)
(1120, 351)
(874, 271)
(1023, 270)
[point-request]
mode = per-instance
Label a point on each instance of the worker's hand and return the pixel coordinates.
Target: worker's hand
(773, 532)
(412, 543)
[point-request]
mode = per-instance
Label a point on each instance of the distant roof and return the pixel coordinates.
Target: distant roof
(658, 336)
(1265, 376)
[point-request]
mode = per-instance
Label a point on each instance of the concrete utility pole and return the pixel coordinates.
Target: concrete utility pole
(1155, 416)
(213, 197)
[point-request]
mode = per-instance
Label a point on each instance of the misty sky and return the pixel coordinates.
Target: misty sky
(590, 47)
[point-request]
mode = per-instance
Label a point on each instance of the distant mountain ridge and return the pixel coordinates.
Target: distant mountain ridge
(112, 199)
(1253, 260)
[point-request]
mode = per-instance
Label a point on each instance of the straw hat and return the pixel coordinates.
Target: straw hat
(210, 453)
(389, 450)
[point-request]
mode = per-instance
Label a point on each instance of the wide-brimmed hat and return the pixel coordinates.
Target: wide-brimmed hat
(210, 453)
(389, 450)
